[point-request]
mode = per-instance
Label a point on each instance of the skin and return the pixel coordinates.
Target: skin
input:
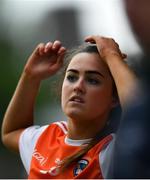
(44, 62)
(95, 91)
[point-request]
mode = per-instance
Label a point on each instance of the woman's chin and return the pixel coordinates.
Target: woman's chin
(75, 114)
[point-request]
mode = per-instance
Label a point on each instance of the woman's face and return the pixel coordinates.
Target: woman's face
(87, 88)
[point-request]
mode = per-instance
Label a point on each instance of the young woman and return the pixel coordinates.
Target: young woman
(81, 147)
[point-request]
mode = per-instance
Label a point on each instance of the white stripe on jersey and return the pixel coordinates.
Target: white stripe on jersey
(62, 125)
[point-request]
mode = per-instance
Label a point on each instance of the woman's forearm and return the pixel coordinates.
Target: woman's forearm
(19, 114)
(127, 83)
(45, 61)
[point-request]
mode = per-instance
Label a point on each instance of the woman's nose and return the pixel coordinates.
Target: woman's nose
(79, 86)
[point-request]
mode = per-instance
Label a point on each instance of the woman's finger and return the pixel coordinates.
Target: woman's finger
(56, 45)
(62, 50)
(41, 49)
(90, 39)
(48, 46)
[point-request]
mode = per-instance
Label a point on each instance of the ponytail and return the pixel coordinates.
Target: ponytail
(77, 156)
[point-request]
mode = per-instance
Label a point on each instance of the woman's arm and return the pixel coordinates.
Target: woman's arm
(127, 83)
(131, 148)
(45, 61)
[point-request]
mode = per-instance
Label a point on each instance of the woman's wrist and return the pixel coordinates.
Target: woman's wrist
(30, 79)
(111, 56)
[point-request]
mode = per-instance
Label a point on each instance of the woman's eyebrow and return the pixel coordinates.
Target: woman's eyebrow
(87, 72)
(72, 70)
(95, 72)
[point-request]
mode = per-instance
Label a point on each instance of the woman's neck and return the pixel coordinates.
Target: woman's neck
(82, 129)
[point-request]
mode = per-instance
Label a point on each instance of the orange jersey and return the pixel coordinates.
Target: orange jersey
(53, 146)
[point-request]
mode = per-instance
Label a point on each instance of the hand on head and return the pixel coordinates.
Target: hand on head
(106, 46)
(47, 58)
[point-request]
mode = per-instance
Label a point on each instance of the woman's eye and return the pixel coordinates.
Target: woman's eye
(93, 81)
(72, 78)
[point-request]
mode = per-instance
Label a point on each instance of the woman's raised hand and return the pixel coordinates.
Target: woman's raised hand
(45, 60)
(106, 46)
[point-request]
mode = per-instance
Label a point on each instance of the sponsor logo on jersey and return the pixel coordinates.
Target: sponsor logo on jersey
(39, 157)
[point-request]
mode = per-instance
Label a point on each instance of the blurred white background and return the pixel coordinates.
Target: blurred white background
(104, 17)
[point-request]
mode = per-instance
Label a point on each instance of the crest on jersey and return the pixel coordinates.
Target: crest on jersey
(80, 166)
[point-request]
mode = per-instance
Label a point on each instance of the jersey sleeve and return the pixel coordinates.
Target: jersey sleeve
(27, 143)
(105, 158)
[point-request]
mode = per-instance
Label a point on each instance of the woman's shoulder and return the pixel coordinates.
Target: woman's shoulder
(35, 131)
(31, 135)
(105, 156)
(61, 125)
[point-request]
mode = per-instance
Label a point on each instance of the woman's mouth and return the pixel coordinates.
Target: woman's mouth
(77, 99)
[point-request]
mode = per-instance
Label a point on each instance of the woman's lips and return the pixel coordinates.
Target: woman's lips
(77, 99)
